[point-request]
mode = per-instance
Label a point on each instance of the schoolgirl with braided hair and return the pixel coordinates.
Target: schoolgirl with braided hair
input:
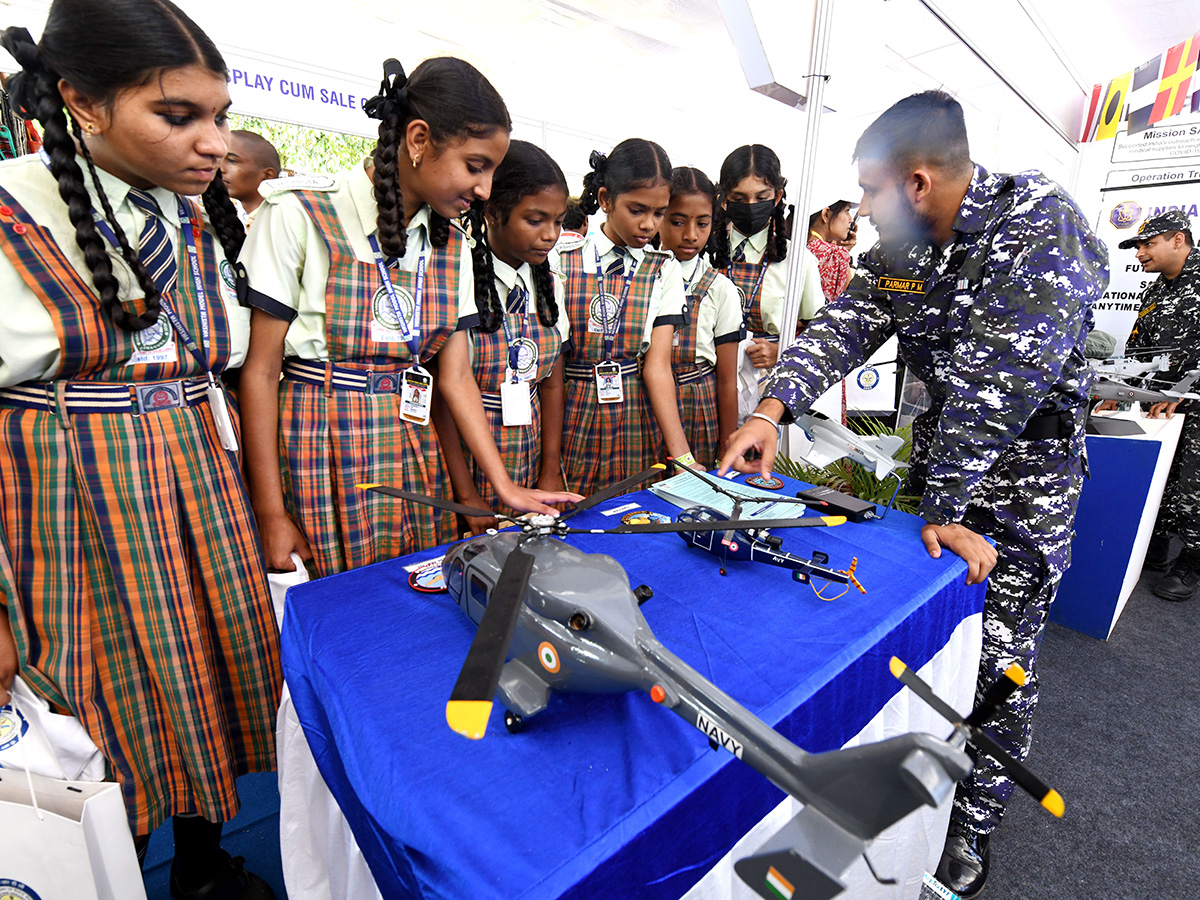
(363, 290)
(704, 358)
(624, 299)
(517, 363)
(134, 593)
(750, 244)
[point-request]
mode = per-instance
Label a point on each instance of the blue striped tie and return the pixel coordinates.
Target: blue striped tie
(154, 245)
(739, 255)
(515, 302)
(617, 266)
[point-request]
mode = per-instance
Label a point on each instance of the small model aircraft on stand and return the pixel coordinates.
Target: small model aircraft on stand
(1132, 380)
(553, 618)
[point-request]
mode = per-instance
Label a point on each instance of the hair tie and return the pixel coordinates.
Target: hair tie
(599, 163)
(21, 88)
(392, 100)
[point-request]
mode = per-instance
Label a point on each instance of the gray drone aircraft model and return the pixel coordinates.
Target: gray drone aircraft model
(553, 618)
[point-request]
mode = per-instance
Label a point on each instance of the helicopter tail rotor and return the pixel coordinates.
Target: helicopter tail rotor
(1013, 678)
(470, 702)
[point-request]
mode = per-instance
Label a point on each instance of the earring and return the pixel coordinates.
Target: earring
(90, 128)
(416, 159)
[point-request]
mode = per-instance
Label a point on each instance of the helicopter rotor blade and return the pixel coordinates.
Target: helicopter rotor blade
(1049, 798)
(614, 490)
(715, 525)
(471, 700)
(448, 505)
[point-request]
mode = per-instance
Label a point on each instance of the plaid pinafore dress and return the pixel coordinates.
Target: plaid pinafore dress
(604, 443)
(129, 558)
(696, 380)
(520, 446)
(333, 439)
(745, 275)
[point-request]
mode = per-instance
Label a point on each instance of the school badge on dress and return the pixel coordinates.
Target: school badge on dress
(154, 344)
(386, 328)
(602, 313)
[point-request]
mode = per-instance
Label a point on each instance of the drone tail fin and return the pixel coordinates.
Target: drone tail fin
(802, 861)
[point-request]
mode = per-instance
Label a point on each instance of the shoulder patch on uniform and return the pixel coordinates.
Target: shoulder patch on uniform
(274, 186)
(569, 241)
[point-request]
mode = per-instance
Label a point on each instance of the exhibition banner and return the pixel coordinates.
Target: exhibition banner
(1128, 198)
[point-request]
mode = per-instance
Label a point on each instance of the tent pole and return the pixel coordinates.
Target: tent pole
(798, 260)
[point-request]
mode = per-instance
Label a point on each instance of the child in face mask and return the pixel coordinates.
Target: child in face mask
(749, 243)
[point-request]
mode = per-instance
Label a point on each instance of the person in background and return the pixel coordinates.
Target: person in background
(831, 237)
(575, 224)
(624, 300)
(132, 586)
(522, 355)
(1169, 318)
(357, 283)
(704, 355)
(251, 160)
(988, 281)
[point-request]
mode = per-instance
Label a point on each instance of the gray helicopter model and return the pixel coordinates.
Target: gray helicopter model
(553, 618)
(1133, 380)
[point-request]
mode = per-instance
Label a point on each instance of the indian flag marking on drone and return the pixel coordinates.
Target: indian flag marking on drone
(779, 885)
(548, 657)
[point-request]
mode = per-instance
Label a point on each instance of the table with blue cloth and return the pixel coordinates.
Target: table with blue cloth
(610, 796)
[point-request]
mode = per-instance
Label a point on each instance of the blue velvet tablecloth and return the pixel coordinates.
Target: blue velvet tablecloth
(600, 796)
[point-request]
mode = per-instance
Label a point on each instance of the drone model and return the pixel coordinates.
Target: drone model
(1115, 380)
(553, 618)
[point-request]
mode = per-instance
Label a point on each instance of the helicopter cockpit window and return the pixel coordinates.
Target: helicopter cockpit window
(479, 590)
(455, 582)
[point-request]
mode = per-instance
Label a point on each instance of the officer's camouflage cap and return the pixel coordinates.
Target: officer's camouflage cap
(1171, 220)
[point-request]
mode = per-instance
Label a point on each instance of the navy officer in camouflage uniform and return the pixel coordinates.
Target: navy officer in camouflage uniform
(1169, 319)
(988, 281)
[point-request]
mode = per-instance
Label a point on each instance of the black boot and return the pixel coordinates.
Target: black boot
(1180, 583)
(965, 860)
(201, 870)
(1158, 554)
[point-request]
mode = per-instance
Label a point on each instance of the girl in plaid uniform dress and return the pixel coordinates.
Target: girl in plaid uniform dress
(624, 300)
(523, 220)
(134, 589)
(343, 337)
(704, 358)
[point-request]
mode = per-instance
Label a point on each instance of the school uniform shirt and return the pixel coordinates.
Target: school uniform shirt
(771, 295)
(506, 279)
(667, 298)
(287, 260)
(29, 345)
(718, 318)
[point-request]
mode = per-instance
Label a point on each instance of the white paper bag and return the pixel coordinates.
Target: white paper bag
(279, 582)
(65, 840)
(45, 743)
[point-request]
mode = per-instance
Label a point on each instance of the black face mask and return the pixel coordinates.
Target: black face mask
(750, 218)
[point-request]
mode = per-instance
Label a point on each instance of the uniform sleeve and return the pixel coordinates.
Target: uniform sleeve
(1027, 317)
(668, 300)
(728, 325)
(812, 295)
(843, 334)
(274, 255)
(468, 312)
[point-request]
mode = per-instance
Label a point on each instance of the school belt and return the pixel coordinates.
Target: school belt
(365, 381)
(585, 370)
(130, 398)
(702, 371)
(492, 401)
(1045, 426)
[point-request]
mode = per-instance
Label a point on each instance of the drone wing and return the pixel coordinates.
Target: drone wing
(448, 505)
(996, 694)
(471, 700)
(614, 490)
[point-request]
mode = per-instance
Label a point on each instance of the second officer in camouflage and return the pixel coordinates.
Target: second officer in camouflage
(988, 282)
(1169, 320)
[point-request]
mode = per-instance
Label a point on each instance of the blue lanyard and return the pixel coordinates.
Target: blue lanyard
(762, 270)
(514, 355)
(609, 337)
(187, 225)
(411, 336)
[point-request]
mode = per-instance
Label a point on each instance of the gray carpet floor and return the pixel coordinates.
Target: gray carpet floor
(1116, 732)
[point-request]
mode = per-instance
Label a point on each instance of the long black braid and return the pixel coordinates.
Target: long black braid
(486, 301)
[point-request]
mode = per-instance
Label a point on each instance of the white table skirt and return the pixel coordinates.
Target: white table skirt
(322, 861)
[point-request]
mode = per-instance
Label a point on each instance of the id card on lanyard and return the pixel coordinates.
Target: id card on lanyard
(516, 394)
(609, 387)
(416, 384)
(190, 227)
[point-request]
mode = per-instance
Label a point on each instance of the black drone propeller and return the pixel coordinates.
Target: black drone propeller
(470, 702)
(1013, 678)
